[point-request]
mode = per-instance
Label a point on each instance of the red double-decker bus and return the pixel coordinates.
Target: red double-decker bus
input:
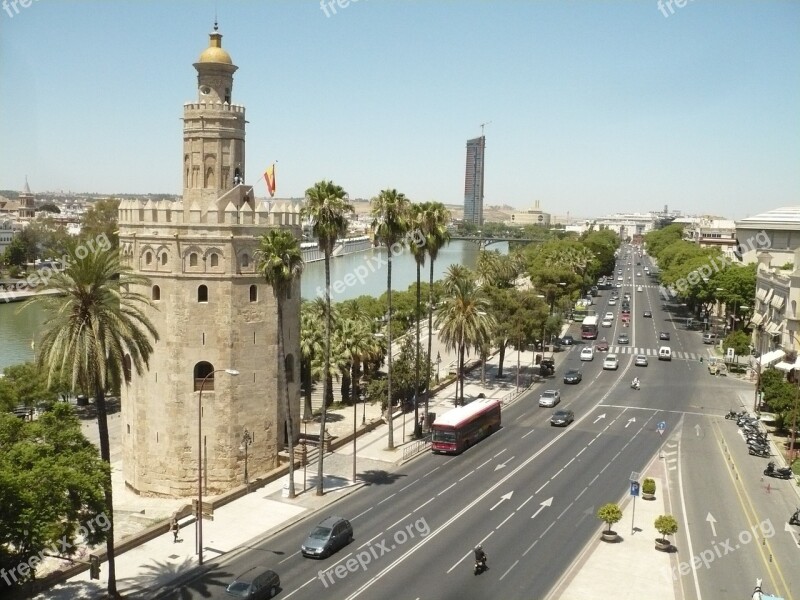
(457, 430)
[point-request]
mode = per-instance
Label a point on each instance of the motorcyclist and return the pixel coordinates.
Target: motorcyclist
(635, 383)
(480, 555)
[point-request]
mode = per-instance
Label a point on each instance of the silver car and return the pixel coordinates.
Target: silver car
(549, 398)
(641, 360)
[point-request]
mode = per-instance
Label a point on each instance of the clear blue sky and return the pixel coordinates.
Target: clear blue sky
(595, 107)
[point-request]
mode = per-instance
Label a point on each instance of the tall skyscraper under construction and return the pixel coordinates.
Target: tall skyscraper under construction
(473, 181)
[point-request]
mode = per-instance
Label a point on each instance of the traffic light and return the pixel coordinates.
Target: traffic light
(94, 567)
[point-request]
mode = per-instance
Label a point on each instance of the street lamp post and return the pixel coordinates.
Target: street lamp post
(199, 515)
(247, 439)
(759, 330)
(363, 408)
(438, 364)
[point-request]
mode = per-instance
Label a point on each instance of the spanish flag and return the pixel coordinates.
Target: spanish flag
(269, 177)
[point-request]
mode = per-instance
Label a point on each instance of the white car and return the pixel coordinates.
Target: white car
(609, 315)
(611, 363)
(607, 323)
(612, 301)
(587, 354)
(549, 398)
(640, 289)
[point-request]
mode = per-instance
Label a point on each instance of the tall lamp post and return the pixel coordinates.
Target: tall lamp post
(247, 439)
(199, 515)
(438, 364)
(759, 331)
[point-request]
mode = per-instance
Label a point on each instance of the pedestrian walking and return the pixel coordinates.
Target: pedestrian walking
(174, 528)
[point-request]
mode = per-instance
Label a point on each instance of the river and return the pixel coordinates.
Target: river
(363, 273)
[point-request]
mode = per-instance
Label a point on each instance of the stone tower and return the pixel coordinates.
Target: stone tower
(212, 310)
(27, 209)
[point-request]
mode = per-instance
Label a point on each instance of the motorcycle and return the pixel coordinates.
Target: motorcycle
(480, 565)
(779, 473)
(732, 414)
(635, 385)
(761, 452)
(795, 518)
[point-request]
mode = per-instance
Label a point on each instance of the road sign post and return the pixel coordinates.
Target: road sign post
(661, 427)
(634, 493)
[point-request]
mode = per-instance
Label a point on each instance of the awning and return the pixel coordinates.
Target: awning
(769, 358)
(769, 295)
(773, 328)
(777, 302)
(784, 366)
(757, 318)
(761, 294)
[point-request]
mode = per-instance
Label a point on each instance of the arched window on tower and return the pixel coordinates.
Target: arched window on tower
(203, 370)
(193, 259)
(289, 365)
(202, 293)
(164, 258)
(245, 260)
(214, 259)
(253, 293)
(228, 95)
(148, 258)
(156, 295)
(210, 181)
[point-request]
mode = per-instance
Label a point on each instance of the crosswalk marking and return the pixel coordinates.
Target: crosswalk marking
(652, 352)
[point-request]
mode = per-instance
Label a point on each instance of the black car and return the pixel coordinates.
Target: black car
(664, 335)
(567, 340)
(255, 584)
(562, 418)
(573, 376)
(648, 314)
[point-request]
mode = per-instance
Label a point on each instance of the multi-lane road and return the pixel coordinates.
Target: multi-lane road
(529, 492)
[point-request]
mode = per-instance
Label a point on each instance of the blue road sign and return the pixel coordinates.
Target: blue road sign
(634, 488)
(662, 425)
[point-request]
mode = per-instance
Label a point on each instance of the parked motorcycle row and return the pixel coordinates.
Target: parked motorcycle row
(756, 438)
(758, 445)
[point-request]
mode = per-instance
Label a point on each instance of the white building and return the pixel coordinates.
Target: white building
(776, 230)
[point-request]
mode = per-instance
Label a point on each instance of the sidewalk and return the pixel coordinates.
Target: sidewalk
(146, 570)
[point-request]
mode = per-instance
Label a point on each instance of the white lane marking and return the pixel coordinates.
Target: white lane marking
(504, 520)
(421, 505)
(541, 488)
(516, 562)
(447, 488)
(387, 498)
(467, 475)
(402, 489)
(527, 434)
(362, 514)
(524, 503)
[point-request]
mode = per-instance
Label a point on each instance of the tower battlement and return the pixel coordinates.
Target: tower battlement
(206, 106)
(279, 213)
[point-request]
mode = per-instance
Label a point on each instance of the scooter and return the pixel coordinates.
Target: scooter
(759, 451)
(635, 385)
(732, 414)
(795, 518)
(480, 566)
(779, 473)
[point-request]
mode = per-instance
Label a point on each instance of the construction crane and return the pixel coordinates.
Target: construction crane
(484, 125)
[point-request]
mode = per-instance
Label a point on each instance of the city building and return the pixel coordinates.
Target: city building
(777, 231)
(627, 225)
(212, 309)
(776, 310)
(8, 229)
(535, 216)
(711, 232)
(26, 209)
(473, 181)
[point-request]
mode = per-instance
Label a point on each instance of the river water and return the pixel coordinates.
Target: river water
(353, 275)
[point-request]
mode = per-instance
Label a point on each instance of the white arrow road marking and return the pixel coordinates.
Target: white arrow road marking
(712, 521)
(503, 465)
(503, 498)
(631, 420)
(697, 429)
(542, 505)
(603, 416)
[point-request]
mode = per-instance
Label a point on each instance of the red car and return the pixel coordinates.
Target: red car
(601, 346)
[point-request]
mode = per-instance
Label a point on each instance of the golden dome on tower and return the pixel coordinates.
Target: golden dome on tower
(214, 53)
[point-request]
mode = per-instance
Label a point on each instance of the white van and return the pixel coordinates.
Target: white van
(665, 353)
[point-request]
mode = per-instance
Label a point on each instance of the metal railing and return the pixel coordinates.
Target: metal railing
(416, 447)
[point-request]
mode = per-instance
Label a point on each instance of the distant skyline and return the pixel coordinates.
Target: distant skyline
(592, 108)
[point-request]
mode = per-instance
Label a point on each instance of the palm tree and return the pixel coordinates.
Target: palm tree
(281, 262)
(96, 331)
(312, 345)
(436, 219)
(327, 207)
(464, 321)
(417, 221)
(391, 212)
